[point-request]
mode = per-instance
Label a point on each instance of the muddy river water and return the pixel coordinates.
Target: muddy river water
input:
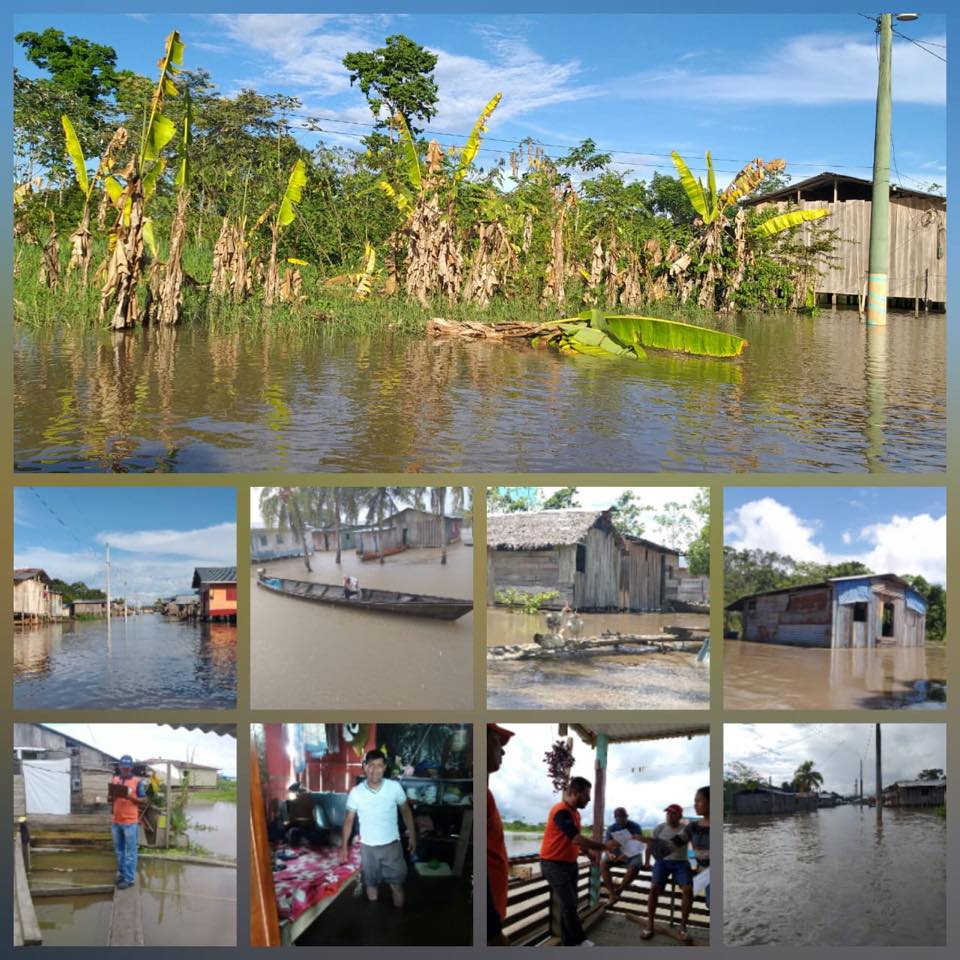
(183, 904)
(315, 656)
(831, 877)
(774, 676)
(822, 394)
(607, 682)
(146, 661)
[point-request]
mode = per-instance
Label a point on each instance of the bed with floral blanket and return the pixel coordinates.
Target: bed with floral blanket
(309, 883)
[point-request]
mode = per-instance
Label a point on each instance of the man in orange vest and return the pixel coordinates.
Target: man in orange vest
(561, 847)
(498, 868)
(126, 820)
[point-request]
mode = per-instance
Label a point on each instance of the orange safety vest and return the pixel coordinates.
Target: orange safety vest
(126, 811)
(498, 869)
(556, 844)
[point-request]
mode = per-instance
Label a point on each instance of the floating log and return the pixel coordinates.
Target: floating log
(622, 643)
(440, 328)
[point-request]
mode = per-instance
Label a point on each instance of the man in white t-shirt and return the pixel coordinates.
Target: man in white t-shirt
(376, 801)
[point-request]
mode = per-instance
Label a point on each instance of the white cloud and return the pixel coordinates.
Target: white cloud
(847, 537)
(909, 545)
(810, 69)
(767, 524)
(218, 542)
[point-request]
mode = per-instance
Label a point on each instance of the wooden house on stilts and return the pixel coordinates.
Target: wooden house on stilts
(579, 554)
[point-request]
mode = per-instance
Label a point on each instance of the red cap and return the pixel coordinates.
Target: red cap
(501, 732)
(674, 808)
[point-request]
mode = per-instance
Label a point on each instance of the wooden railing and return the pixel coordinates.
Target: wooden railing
(529, 902)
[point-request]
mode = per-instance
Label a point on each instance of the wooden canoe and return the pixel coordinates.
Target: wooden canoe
(387, 552)
(380, 601)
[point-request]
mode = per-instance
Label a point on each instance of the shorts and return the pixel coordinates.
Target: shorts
(634, 861)
(663, 870)
(383, 864)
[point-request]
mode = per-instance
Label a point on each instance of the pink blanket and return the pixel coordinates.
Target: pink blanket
(312, 876)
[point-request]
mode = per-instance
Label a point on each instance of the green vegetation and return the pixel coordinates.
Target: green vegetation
(527, 602)
(204, 207)
(225, 790)
(756, 571)
(806, 778)
(520, 826)
(76, 591)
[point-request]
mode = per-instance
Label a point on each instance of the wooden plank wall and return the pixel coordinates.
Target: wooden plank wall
(598, 587)
(916, 227)
(532, 571)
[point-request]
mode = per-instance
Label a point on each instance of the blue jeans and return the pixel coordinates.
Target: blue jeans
(125, 848)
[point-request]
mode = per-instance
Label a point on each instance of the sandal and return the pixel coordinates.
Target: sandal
(683, 935)
(646, 933)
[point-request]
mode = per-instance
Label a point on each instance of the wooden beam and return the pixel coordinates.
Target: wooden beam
(26, 925)
(126, 919)
(264, 920)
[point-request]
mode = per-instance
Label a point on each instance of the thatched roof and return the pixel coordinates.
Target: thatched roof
(543, 529)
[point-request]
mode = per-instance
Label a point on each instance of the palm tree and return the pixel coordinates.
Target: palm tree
(283, 507)
(377, 501)
(806, 779)
(438, 504)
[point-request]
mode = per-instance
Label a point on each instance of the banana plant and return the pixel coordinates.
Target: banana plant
(286, 214)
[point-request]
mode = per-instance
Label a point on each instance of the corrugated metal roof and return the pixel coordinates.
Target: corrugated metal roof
(28, 573)
(828, 176)
(738, 603)
(213, 575)
(220, 729)
(633, 732)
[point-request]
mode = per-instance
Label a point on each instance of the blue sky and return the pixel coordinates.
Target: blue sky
(157, 535)
(643, 777)
(800, 87)
(891, 529)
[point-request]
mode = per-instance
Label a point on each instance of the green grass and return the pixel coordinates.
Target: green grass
(226, 790)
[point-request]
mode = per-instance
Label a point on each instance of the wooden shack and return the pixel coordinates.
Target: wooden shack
(325, 538)
(766, 800)
(217, 587)
(579, 554)
(197, 776)
(88, 608)
(31, 594)
(861, 611)
(918, 224)
(420, 528)
(916, 793)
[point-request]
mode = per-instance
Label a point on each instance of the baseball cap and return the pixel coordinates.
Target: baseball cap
(674, 808)
(126, 760)
(502, 733)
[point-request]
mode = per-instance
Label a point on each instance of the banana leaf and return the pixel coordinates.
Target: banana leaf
(785, 221)
(75, 152)
(692, 186)
(182, 178)
(411, 159)
(476, 135)
(294, 191)
(160, 129)
(655, 333)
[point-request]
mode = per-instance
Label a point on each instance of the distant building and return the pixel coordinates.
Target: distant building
(325, 538)
(580, 554)
(88, 608)
(268, 544)
(861, 611)
(217, 588)
(196, 775)
(916, 793)
(767, 800)
(918, 235)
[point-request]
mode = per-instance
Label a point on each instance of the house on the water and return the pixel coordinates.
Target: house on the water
(325, 538)
(918, 236)
(33, 596)
(57, 774)
(916, 793)
(409, 528)
(217, 587)
(268, 544)
(765, 800)
(579, 554)
(861, 611)
(92, 608)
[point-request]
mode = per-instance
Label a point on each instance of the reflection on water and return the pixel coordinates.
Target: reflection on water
(183, 904)
(773, 676)
(213, 824)
(829, 877)
(146, 661)
(809, 394)
(607, 682)
(311, 655)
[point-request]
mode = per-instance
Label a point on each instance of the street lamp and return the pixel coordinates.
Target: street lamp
(879, 268)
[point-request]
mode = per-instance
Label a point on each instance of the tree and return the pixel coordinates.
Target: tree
(377, 501)
(806, 779)
(669, 199)
(936, 600)
(585, 157)
(84, 68)
(513, 499)
(682, 523)
(398, 76)
(563, 499)
(627, 513)
(283, 507)
(931, 773)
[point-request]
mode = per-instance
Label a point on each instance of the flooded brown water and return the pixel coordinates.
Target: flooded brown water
(147, 661)
(823, 394)
(831, 877)
(608, 682)
(313, 656)
(772, 676)
(183, 904)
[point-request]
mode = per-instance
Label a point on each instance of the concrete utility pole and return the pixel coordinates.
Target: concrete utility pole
(879, 782)
(108, 588)
(878, 271)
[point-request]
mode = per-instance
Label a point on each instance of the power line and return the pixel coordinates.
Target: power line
(920, 44)
(56, 516)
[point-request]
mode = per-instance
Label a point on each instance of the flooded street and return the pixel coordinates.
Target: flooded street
(605, 682)
(823, 394)
(183, 904)
(146, 662)
(314, 656)
(775, 676)
(831, 878)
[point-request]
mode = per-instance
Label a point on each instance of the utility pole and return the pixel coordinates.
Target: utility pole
(861, 780)
(124, 601)
(108, 589)
(879, 782)
(879, 268)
